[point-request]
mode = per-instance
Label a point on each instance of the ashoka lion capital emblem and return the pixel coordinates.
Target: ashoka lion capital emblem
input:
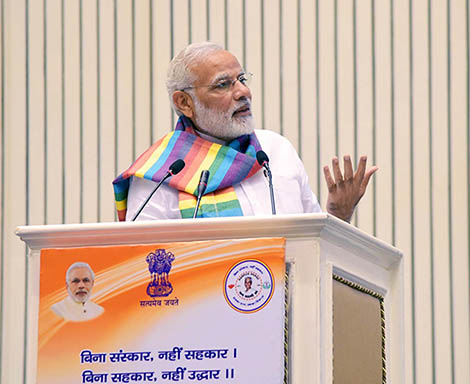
(159, 267)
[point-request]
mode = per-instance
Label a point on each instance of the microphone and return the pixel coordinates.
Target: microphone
(174, 169)
(201, 188)
(263, 160)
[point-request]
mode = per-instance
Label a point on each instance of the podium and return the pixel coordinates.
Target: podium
(331, 267)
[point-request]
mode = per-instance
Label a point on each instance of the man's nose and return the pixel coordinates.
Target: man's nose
(241, 91)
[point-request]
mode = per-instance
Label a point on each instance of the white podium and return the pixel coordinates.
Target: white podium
(321, 251)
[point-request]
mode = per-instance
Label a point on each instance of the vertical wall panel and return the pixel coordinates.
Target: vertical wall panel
(289, 77)
(308, 133)
(272, 103)
(439, 148)
(16, 121)
(142, 77)
(83, 93)
(37, 132)
(72, 128)
(345, 77)
(53, 76)
(2, 172)
(216, 20)
(234, 27)
(89, 113)
(403, 160)
(363, 98)
(253, 60)
(181, 25)
(163, 51)
(384, 118)
(199, 21)
(327, 92)
(423, 280)
(107, 113)
(459, 204)
(125, 129)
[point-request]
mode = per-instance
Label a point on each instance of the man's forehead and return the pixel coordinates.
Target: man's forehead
(217, 65)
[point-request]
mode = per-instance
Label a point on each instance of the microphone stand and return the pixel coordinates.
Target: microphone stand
(150, 196)
(203, 180)
(263, 160)
(174, 169)
(268, 175)
(197, 207)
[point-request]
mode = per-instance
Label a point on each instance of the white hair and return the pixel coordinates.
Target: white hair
(179, 74)
(78, 264)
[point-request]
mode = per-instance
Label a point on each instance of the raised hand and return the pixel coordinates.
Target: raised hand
(345, 192)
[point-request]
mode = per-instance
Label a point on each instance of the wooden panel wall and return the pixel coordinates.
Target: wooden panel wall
(83, 93)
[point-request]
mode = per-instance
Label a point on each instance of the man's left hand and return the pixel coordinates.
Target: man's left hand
(345, 192)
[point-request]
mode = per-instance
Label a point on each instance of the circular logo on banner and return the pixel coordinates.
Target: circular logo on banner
(248, 286)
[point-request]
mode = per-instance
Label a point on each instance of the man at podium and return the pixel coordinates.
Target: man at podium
(209, 91)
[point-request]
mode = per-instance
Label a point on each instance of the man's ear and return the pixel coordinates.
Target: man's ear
(184, 103)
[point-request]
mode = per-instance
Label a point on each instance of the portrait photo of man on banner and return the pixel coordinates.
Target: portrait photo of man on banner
(77, 306)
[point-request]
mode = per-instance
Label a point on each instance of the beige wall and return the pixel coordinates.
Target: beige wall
(82, 93)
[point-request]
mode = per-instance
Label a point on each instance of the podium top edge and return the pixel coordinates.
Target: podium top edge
(321, 226)
(26, 230)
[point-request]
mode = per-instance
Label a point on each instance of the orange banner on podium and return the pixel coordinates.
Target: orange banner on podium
(208, 311)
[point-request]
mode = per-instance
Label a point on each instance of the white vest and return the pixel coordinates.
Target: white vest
(73, 311)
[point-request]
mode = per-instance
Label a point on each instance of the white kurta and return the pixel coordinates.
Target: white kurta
(292, 192)
(73, 311)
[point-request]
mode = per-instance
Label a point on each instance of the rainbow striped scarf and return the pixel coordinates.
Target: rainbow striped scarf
(228, 165)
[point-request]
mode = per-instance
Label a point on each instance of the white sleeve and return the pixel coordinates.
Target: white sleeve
(288, 168)
(309, 199)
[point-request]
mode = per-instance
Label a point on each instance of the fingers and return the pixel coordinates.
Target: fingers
(330, 183)
(337, 171)
(361, 169)
(348, 169)
(367, 177)
(361, 177)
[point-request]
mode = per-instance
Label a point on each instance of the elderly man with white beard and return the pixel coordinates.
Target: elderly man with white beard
(79, 280)
(210, 92)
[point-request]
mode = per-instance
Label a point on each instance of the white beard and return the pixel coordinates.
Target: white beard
(78, 299)
(221, 124)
